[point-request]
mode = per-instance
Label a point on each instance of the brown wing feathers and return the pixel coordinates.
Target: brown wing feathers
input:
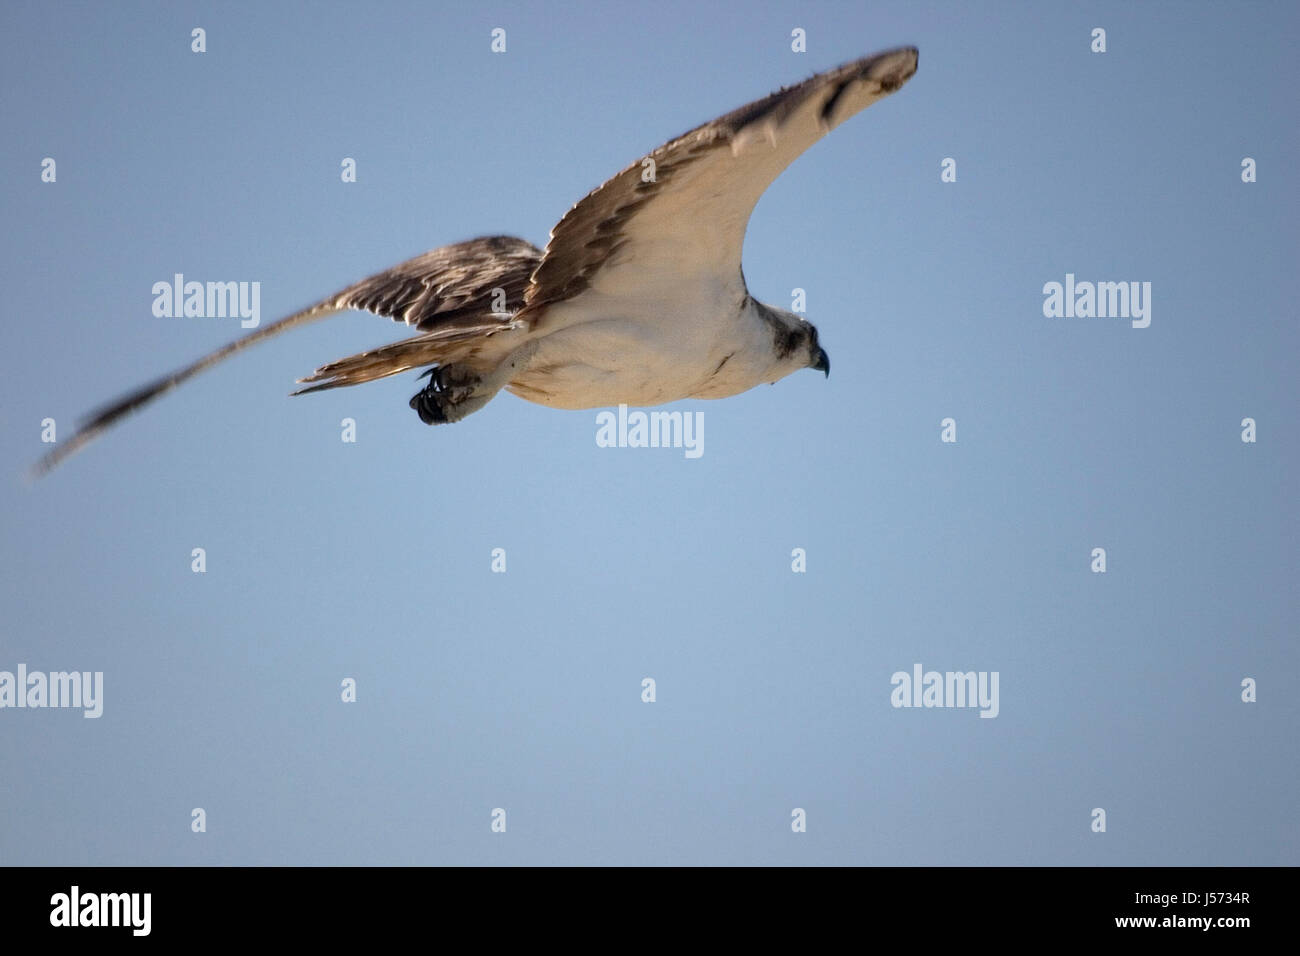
(447, 293)
(438, 289)
(594, 229)
(456, 294)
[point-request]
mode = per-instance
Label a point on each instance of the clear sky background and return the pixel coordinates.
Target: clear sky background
(522, 690)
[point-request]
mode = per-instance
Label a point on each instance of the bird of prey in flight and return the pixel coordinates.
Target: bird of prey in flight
(637, 299)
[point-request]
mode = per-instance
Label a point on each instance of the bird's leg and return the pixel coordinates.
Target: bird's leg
(456, 390)
(449, 395)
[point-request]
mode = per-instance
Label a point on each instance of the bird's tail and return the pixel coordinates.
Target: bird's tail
(460, 342)
(106, 417)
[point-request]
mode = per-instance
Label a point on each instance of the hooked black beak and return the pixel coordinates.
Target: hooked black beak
(823, 363)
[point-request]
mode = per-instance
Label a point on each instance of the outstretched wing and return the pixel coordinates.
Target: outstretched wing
(449, 285)
(458, 296)
(679, 215)
(446, 293)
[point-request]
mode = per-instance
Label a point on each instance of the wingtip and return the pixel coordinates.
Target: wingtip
(49, 461)
(894, 68)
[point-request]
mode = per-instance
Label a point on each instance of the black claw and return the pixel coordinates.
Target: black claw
(427, 405)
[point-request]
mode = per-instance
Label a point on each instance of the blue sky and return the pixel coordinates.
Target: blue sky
(477, 690)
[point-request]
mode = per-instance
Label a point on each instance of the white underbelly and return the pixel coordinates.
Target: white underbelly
(596, 364)
(599, 350)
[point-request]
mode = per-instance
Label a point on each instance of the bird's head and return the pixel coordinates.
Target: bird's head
(794, 342)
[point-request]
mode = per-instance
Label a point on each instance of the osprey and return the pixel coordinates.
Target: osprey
(637, 299)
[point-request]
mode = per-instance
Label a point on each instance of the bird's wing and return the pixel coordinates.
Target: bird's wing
(679, 214)
(446, 293)
(449, 285)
